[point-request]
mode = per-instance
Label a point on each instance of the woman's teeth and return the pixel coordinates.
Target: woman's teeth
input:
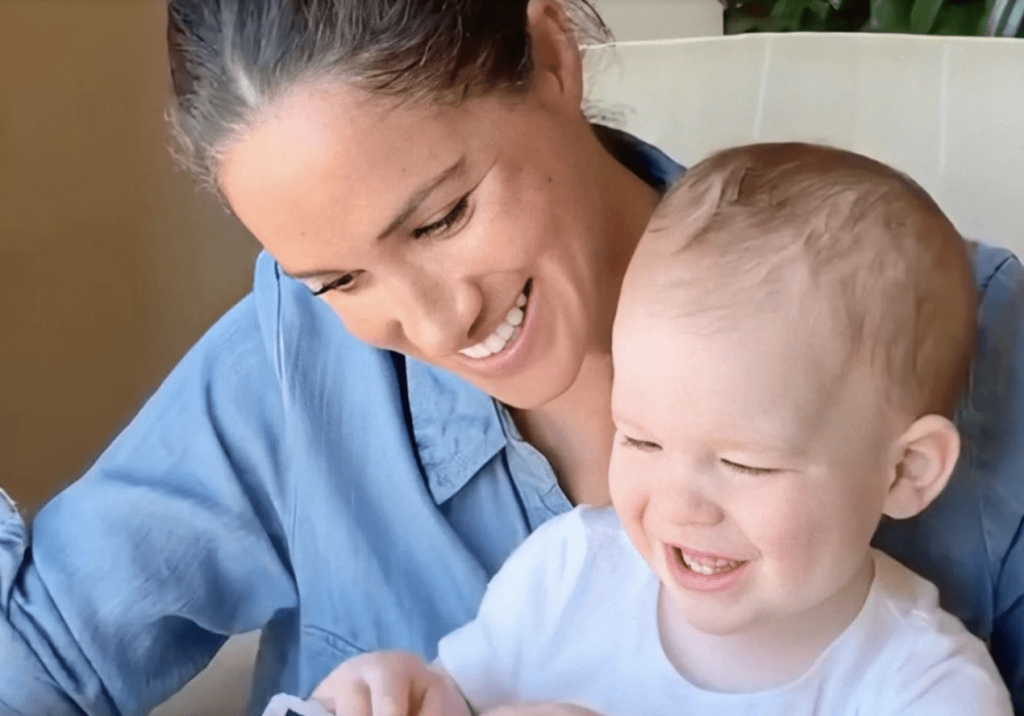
(708, 566)
(503, 334)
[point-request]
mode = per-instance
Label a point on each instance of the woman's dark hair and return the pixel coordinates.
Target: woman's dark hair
(231, 58)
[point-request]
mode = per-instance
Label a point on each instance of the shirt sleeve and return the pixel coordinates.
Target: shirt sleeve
(998, 406)
(953, 687)
(135, 575)
(490, 657)
(930, 665)
(1008, 627)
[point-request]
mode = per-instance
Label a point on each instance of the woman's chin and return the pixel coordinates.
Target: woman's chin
(528, 390)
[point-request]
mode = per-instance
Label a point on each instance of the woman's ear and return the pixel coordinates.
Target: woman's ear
(557, 62)
(925, 457)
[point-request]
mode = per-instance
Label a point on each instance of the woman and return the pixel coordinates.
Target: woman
(421, 170)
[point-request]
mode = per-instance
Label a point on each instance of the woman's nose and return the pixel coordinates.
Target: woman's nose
(437, 314)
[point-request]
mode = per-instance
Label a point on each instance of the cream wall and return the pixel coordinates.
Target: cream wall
(111, 264)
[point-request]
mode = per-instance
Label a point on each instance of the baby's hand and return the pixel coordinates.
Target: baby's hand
(389, 683)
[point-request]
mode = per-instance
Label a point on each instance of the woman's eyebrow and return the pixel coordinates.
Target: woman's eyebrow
(421, 195)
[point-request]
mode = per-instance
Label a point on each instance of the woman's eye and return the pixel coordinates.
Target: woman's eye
(643, 445)
(444, 224)
(342, 283)
(747, 469)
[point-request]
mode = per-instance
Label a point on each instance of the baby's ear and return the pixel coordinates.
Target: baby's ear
(925, 456)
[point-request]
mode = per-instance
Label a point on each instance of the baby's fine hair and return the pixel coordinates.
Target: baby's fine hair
(866, 242)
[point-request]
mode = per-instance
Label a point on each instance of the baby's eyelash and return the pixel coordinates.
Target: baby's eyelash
(446, 222)
(747, 470)
(643, 445)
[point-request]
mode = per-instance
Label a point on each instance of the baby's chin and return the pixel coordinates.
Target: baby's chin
(721, 625)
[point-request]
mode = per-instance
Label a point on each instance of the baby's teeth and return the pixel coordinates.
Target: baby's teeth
(505, 330)
(699, 568)
(707, 568)
(521, 301)
(515, 316)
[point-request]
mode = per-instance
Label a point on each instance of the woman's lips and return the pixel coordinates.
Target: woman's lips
(706, 572)
(515, 343)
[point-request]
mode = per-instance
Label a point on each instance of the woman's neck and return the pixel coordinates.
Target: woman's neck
(628, 202)
(574, 431)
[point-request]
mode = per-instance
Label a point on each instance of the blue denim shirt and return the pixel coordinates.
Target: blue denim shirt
(342, 498)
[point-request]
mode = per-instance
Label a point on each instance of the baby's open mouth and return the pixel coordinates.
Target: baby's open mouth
(707, 566)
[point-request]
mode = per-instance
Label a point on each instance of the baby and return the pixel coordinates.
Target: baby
(793, 334)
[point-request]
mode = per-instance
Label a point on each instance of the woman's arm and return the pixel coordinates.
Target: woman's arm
(1008, 627)
(993, 420)
(135, 575)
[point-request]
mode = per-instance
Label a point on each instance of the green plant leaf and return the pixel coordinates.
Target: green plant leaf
(820, 8)
(923, 15)
(959, 19)
(788, 11)
(1003, 18)
(889, 16)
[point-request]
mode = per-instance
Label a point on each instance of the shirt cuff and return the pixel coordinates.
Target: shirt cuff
(12, 546)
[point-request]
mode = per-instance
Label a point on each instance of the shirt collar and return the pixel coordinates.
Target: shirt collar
(459, 428)
(455, 425)
(645, 160)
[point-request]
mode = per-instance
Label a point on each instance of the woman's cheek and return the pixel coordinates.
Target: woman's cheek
(373, 328)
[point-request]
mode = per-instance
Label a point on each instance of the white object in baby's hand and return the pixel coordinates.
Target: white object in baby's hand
(285, 705)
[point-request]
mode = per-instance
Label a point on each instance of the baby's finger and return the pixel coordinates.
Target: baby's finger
(443, 699)
(390, 694)
(344, 697)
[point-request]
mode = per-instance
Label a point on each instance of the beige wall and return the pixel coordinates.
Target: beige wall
(111, 264)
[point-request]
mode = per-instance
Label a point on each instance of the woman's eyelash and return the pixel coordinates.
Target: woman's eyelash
(747, 470)
(341, 283)
(445, 223)
(440, 226)
(644, 445)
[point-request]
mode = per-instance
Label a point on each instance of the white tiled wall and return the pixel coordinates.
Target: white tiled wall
(948, 111)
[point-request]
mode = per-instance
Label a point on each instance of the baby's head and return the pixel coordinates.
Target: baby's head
(793, 334)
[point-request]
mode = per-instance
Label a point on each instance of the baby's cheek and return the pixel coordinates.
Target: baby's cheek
(791, 536)
(624, 484)
(630, 504)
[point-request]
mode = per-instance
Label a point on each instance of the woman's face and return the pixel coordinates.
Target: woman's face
(469, 237)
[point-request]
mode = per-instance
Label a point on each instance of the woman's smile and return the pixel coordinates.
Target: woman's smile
(509, 339)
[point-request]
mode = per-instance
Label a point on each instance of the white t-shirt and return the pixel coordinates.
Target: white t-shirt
(572, 617)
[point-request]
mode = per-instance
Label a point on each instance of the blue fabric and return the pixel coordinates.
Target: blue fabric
(342, 498)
